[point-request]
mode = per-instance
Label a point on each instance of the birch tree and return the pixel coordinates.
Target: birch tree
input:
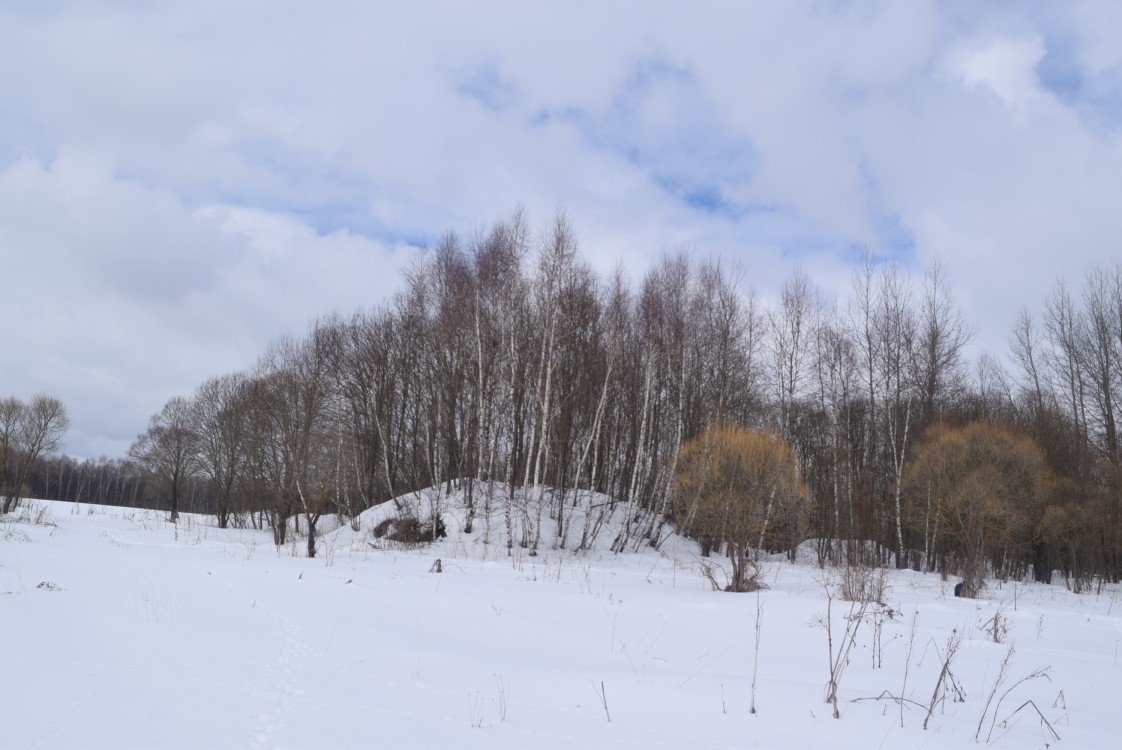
(895, 370)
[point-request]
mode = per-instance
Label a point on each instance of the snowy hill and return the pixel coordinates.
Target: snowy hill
(123, 630)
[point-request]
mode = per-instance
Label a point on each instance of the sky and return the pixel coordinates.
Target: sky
(182, 182)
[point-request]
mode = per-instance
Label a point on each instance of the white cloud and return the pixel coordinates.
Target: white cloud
(1005, 68)
(120, 297)
(181, 181)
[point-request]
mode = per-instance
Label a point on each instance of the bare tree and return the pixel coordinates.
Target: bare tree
(497, 260)
(863, 327)
(299, 438)
(168, 449)
(557, 265)
(1061, 323)
(1025, 346)
(27, 432)
(665, 317)
(1097, 342)
(942, 335)
(220, 424)
(12, 412)
(896, 373)
(792, 326)
(618, 347)
(837, 385)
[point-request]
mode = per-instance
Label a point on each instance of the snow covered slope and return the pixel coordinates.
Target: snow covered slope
(121, 630)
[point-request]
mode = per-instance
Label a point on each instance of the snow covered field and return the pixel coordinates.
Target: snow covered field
(121, 630)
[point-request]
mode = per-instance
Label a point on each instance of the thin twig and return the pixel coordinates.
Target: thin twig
(603, 698)
(1030, 702)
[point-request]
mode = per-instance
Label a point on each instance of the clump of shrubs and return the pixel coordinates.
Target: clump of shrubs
(863, 583)
(411, 531)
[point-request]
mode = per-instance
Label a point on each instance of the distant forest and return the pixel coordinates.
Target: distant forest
(507, 368)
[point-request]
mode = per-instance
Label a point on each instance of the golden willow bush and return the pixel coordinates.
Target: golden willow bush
(977, 494)
(738, 488)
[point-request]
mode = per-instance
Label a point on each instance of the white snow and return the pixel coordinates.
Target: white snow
(121, 630)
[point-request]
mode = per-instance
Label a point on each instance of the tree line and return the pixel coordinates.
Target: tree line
(507, 368)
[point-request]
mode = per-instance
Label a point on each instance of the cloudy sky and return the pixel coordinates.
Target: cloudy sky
(183, 181)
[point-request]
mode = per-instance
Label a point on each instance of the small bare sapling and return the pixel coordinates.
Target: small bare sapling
(947, 681)
(756, 660)
(839, 653)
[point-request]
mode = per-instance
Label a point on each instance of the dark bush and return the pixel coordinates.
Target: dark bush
(409, 530)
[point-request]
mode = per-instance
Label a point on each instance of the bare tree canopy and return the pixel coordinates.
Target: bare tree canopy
(27, 433)
(168, 449)
(506, 368)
